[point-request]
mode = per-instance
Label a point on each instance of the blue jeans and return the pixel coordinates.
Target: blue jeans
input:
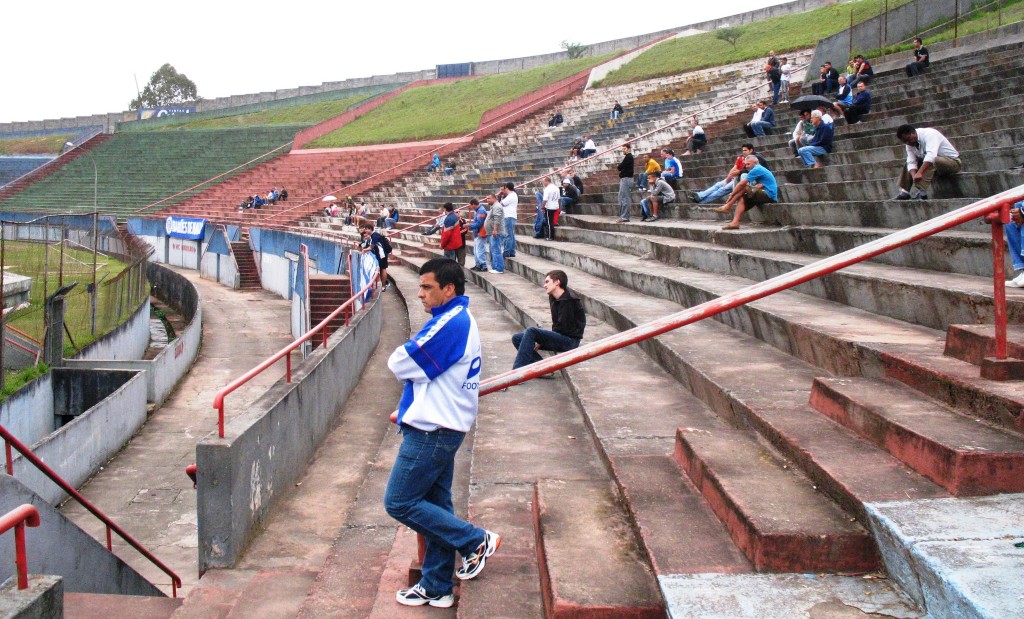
(566, 202)
(480, 251)
(759, 127)
(498, 252)
(527, 341)
(510, 237)
(419, 495)
(1015, 244)
(807, 153)
(775, 91)
(716, 191)
(641, 181)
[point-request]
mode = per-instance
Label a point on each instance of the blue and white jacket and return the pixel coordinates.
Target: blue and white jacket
(441, 369)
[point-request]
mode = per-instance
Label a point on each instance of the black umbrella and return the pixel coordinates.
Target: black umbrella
(809, 102)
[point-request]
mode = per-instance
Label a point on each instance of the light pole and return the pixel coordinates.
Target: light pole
(95, 176)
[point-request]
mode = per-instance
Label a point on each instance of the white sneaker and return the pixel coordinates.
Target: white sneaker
(1017, 282)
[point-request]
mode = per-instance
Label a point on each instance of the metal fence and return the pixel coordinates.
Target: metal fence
(99, 269)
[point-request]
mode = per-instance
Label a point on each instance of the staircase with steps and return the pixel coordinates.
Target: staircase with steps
(248, 271)
(326, 294)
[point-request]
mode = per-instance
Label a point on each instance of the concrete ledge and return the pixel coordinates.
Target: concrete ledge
(266, 448)
(43, 599)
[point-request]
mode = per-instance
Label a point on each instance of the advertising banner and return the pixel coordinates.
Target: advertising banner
(185, 228)
(167, 110)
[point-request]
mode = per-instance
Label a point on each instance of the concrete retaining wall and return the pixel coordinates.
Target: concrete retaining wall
(128, 341)
(163, 372)
(28, 414)
(76, 450)
(267, 448)
(59, 547)
(222, 269)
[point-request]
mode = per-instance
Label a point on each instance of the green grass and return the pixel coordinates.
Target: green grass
(445, 110)
(782, 34)
(45, 145)
(302, 114)
(16, 380)
(28, 259)
(1012, 11)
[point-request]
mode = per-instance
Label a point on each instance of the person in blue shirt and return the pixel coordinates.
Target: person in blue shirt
(821, 142)
(441, 370)
(672, 169)
(860, 106)
(759, 187)
(434, 164)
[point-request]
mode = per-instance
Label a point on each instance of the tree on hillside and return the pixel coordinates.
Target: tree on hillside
(574, 50)
(729, 34)
(166, 87)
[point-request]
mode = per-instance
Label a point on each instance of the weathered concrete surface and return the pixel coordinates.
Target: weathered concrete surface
(103, 606)
(145, 487)
(956, 557)
(43, 599)
(783, 596)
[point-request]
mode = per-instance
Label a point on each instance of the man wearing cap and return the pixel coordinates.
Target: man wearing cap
(570, 195)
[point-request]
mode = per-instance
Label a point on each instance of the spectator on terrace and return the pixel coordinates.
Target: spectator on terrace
(576, 149)
(271, 197)
(725, 186)
(759, 187)
(827, 82)
(763, 118)
(920, 59)
(332, 210)
(673, 169)
(860, 106)
(826, 117)
(1015, 244)
(258, 201)
(851, 70)
(451, 238)
(928, 153)
(698, 140)
(283, 195)
(373, 242)
(660, 195)
(578, 181)
(434, 164)
(568, 321)
(570, 195)
(550, 201)
(616, 111)
(625, 183)
(651, 166)
(787, 73)
(844, 96)
(820, 144)
(773, 70)
(476, 227)
(589, 148)
(556, 119)
(802, 132)
(510, 205)
(351, 218)
(446, 218)
(494, 228)
(864, 71)
(449, 167)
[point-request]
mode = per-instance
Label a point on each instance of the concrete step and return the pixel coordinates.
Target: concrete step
(961, 454)
(972, 343)
(105, 606)
(578, 521)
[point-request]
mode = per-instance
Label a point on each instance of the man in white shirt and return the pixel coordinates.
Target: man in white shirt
(550, 200)
(928, 153)
(510, 204)
(589, 148)
(787, 73)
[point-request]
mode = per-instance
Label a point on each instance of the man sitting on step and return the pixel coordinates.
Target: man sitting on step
(568, 320)
(820, 144)
(928, 153)
(759, 187)
(661, 193)
(725, 186)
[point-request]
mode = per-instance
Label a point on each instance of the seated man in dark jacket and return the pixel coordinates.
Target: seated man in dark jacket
(828, 82)
(820, 144)
(861, 104)
(568, 320)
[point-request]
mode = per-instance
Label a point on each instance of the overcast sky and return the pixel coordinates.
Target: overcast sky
(75, 59)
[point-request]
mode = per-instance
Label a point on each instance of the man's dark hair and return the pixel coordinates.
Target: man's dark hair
(669, 151)
(448, 206)
(560, 277)
(366, 226)
(627, 147)
(918, 40)
(858, 57)
(749, 147)
(510, 186)
(904, 130)
(446, 271)
(474, 201)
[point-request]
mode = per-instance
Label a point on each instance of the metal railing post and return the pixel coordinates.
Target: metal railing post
(998, 219)
(17, 519)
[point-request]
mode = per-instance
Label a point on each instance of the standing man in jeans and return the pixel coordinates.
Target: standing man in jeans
(625, 183)
(441, 370)
(568, 320)
(510, 204)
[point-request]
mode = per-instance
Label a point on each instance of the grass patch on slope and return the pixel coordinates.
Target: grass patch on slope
(302, 114)
(45, 145)
(782, 34)
(444, 110)
(1012, 11)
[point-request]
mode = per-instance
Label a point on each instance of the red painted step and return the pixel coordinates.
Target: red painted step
(105, 606)
(972, 343)
(963, 455)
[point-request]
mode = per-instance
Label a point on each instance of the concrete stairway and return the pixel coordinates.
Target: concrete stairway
(326, 294)
(248, 272)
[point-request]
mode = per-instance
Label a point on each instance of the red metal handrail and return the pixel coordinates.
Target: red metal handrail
(17, 344)
(12, 441)
(24, 335)
(218, 400)
(998, 205)
(17, 519)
